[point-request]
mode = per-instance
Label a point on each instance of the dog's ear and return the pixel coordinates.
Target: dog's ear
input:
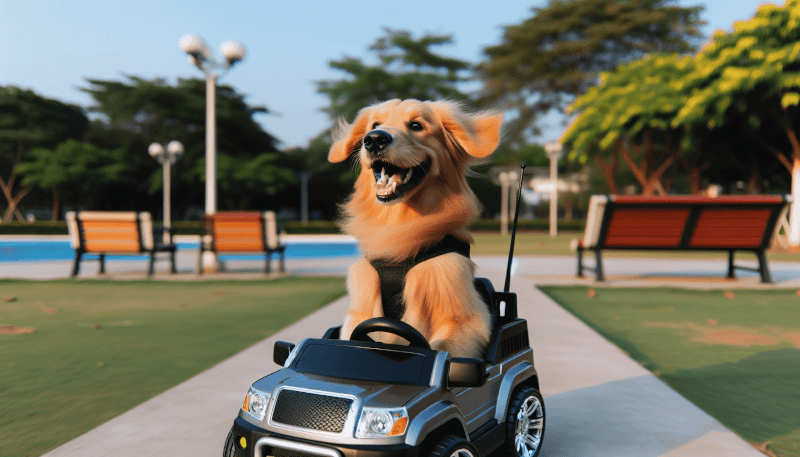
(478, 134)
(347, 137)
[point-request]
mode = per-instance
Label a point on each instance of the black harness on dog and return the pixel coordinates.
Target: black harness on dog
(393, 275)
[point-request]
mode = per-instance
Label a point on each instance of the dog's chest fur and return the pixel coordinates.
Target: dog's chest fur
(392, 275)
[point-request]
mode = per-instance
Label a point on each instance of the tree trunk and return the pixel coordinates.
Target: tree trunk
(609, 169)
(56, 204)
(794, 220)
(13, 202)
(794, 217)
(651, 185)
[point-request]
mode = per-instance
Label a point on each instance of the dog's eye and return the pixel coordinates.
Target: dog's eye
(376, 125)
(415, 126)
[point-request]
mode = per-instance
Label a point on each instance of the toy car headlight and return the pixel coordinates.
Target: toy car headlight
(380, 422)
(255, 403)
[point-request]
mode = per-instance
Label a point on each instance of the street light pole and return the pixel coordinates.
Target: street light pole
(553, 151)
(211, 143)
(200, 56)
(167, 157)
(506, 178)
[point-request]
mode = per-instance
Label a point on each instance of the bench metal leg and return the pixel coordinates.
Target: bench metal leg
(282, 265)
(200, 259)
(76, 264)
(268, 261)
(580, 262)
(151, 267)
(102, 264)
(763, 267)
(731, 274)
(598, 268)
(172, 262)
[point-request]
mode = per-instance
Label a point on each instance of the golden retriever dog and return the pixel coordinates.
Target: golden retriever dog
(412, 194)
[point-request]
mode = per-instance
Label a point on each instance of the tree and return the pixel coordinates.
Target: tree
(73, 171)
(28, 120)
(628, 116)
(138, 112)
(408, 68)
(750, 79)
(550, 58)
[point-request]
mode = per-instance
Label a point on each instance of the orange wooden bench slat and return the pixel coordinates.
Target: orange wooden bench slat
(110, 246)
(716, 215)
(123, 235)
(642, 241)
(108, 225)
(726, 242)
(637, 232)
(239, 246)
(236, 224)
(243, 231)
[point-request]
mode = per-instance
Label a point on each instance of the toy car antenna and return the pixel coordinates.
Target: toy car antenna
(514, 231)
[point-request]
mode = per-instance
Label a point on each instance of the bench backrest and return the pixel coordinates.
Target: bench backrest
(242, 231)
(110, 231)
(683, 222)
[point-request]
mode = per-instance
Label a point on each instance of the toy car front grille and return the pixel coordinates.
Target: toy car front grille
(312, 411)
(280, 452)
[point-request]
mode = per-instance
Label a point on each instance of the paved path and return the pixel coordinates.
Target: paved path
(599, 401)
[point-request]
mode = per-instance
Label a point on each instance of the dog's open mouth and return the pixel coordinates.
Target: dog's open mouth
(391, 181)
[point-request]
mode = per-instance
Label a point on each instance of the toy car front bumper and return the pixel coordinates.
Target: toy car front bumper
(261, 443)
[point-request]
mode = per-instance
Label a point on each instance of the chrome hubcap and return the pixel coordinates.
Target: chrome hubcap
(462, 453)
(530, 423)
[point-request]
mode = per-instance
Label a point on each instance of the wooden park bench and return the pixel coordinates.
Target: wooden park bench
(726, 223)
(241, 232)
(114, 233)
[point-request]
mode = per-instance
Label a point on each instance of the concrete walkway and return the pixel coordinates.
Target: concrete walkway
(599, 401)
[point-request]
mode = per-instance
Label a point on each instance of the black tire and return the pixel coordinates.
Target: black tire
(228, 450)
(453, 446)
(529, 421)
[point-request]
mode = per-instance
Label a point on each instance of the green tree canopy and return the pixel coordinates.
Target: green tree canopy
(629, 113)
(407, 68)
(555, 55)
(136, 112)
(749, 79)
(27, 121)
(74, 171)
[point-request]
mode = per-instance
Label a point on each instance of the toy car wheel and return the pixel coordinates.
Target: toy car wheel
(228, 450)
(525, 423)
(453, 446)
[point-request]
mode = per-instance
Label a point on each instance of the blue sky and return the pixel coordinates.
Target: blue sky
(52, 47)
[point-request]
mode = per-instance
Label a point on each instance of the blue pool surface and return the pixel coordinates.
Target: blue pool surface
(52, 250)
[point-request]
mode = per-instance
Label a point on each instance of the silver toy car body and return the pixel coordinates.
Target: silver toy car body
(359, 398)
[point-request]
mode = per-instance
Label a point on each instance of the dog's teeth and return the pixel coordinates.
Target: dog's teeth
(408, 176)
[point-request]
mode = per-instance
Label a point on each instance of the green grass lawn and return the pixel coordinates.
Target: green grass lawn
(734, 354)
(114, 344)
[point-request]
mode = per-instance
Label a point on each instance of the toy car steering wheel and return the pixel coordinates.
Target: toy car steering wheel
(395, 327)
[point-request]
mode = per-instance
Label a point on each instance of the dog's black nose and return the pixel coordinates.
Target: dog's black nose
(376, 140)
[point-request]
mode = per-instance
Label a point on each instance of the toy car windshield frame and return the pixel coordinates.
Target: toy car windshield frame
(365, 361)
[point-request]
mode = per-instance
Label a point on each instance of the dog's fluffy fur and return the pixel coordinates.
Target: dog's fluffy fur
(440, 137)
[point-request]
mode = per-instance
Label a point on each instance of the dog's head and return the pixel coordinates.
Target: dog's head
(405, 145)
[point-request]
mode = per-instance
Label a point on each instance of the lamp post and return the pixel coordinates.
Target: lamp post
(166, 157)
(200, 56)
(553, 150)
(506, 178)
(304, 176)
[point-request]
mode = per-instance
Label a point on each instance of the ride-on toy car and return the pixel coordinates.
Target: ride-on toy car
(359, 398)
